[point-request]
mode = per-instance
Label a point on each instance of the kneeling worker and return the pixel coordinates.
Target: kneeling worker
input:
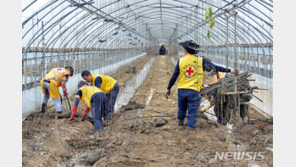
(50, 84)
(95, 100)
(108, 85)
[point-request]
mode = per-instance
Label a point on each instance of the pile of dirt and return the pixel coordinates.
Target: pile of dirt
(132, 105)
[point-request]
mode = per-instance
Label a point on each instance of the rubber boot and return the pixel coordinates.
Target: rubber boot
(43, 108)
(181, 123)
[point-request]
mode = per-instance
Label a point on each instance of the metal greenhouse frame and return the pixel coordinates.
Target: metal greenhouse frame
(95, 33)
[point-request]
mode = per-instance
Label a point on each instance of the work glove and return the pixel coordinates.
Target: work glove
(74, 109)
(85, 113)
(234, 71)
(65, 92)
(167, 94)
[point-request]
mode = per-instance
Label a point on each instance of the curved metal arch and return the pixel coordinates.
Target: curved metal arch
(59, 36)
(82, 18)
(41, 9)
(255, 32)
(172, 20)
(107, 14)
(239, 20)
(172, 27)
(217, 16)
(108, 5)
(113, 38)
(195, 38)
(43, 18)
(91, 21)
(49, 27)
(107, 34)
(134, 23)
(25, 8)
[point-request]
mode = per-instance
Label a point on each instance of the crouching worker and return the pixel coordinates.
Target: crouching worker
(108, 85)
(95, 100)
(50, 84)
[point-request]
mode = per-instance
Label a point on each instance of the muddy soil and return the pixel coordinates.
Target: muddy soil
(144, 133)
(257, 137)
(47, 140)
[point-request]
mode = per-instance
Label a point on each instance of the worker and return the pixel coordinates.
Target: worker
(50, 84)
(108, 85)
(162, 50)
(95, 100)
(216, 76)
(190, 70)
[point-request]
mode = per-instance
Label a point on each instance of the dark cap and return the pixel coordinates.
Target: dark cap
(82, 83)
(190, 46)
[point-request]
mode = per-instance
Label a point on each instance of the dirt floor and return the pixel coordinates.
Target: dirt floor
(144, 133)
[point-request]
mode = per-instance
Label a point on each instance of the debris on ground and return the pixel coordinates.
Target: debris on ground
(132, 105)
(149, 141)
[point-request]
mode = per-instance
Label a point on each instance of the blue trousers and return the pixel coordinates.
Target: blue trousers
(220, 116)
(111, 101)
(98, 109)
(188, 99)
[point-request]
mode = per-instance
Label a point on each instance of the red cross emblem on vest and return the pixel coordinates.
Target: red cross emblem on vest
(189, 71)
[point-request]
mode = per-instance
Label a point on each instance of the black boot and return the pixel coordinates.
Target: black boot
(59, 114)
(43, 108)
(181, 123)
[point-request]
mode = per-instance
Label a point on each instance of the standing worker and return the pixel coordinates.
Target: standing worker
(95, 100)
(190, 70)
(216, 76)
(50, 84)
(108, 85)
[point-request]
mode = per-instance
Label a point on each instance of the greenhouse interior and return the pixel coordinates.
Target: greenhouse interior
(125, 56)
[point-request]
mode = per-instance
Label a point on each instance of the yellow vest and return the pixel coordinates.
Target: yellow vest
(87, 92)
(107, 82)
(191, 73)
(56, 75)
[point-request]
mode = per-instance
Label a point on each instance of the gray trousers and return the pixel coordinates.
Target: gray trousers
(57, 101)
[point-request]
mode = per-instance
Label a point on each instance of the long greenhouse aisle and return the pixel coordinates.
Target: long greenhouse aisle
(144, 133)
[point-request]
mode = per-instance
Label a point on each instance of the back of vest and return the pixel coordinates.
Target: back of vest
(56, 74)
(191, 73)
(87, 92)
(107, 83)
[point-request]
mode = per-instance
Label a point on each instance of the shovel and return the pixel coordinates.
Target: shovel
(69, 106)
